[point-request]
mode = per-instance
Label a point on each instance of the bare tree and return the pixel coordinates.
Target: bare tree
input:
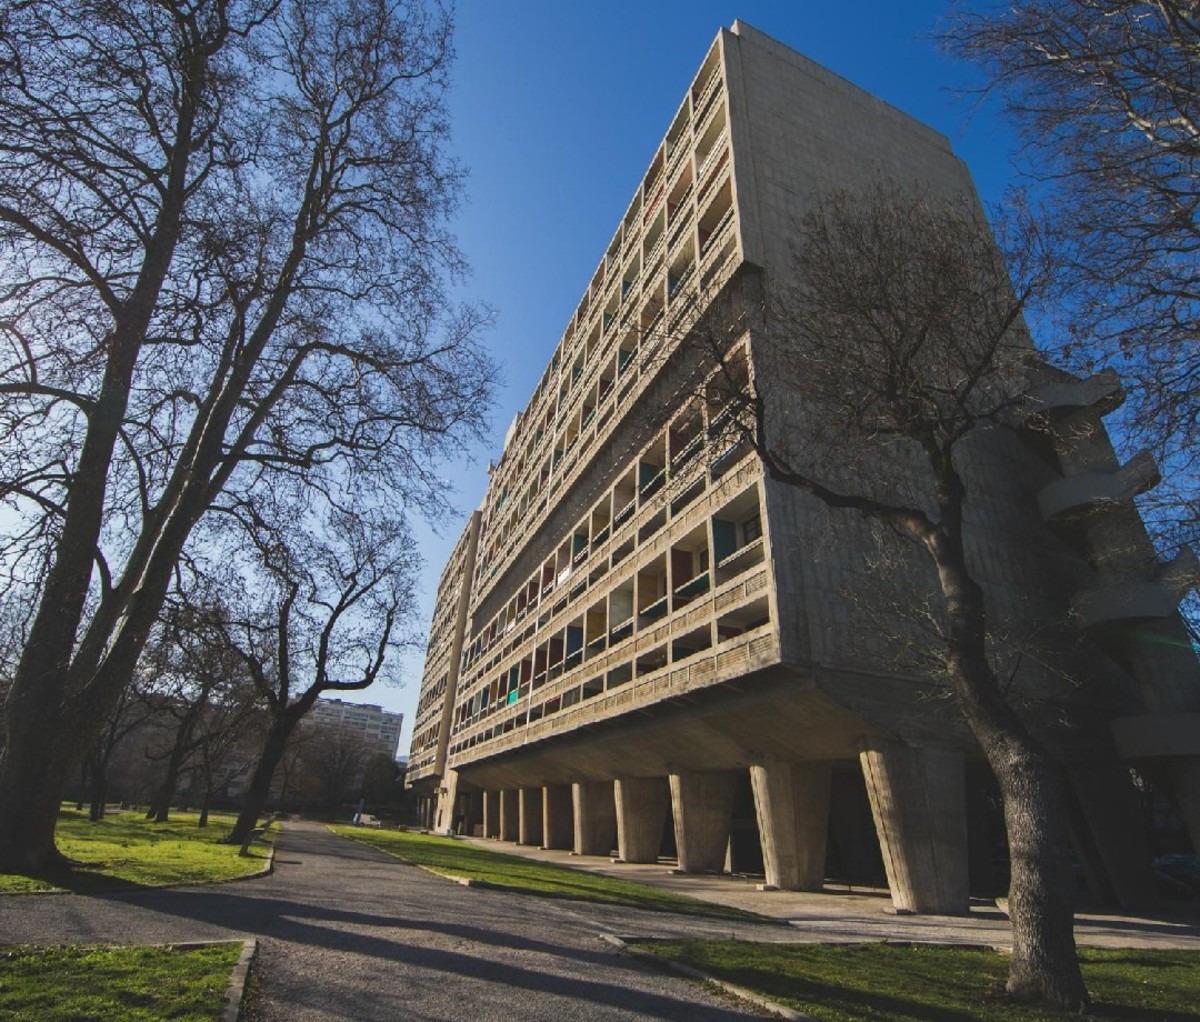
(333, 761)
(1106, 94)
(223, 251)
(201, 689)
(383, 780)
(132, 712)
(329, 624)
(898, 342)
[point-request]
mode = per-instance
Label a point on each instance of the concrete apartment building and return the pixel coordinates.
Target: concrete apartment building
(379, 727)
(642, 643)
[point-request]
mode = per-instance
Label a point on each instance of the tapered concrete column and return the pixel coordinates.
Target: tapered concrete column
(529, 810)
(918, 799)
(509, 814)
(642, 804)
(702, 810)
(595, 817)
(791, 802)
(447, 804)
(558, 829)
(491, 814)
(448, 807)
(1109, 835)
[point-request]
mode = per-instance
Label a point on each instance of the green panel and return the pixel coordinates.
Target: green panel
(724, 539)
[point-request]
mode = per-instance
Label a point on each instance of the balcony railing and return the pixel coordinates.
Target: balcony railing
(718, 147)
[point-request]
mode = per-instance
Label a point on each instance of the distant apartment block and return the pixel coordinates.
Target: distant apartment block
(642, 644)
(379, 727)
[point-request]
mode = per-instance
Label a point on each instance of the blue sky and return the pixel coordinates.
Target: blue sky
(557, 108)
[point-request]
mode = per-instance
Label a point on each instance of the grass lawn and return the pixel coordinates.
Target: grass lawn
(457, 858)
(129, 850)
(905, 983)
(133, 984)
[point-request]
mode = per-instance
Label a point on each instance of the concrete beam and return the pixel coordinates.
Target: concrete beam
(641, 804)
(529, 813)
(558, 828)
(595, 817)
(509, 814)
(791, 802)
(702, 810)
(918, 799)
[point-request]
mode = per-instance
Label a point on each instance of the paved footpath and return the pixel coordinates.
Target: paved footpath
(858, 914)
(349, 933)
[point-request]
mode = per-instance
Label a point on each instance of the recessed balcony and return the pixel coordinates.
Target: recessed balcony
(1128, 601)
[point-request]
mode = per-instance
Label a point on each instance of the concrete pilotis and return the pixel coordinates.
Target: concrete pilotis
(529, 810)
(702, 810)
(491, 814)
(791, 803)
(1114, 840)
(918, 799)
(594, 817)
(444, 821)
(509, 814)
(642, 804)
(558, 830)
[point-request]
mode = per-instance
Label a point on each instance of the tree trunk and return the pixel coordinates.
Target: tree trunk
(161, 810)
(99, 792)
(259, 789)
(85, 781)
(97, 769)
(1045, 965)
(204, 800)
(40, 754)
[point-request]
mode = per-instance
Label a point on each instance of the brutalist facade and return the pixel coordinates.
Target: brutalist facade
(642, 643)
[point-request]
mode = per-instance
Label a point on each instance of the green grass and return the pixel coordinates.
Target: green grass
(129, 850)
(460, 859)
(904, 983)
(133, 984)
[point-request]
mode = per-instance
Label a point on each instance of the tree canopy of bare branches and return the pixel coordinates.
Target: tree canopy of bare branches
(896, 342)
(327, 616)
(225, 267)
(1106, 94)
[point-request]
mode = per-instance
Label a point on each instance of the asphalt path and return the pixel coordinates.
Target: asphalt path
(349, 933)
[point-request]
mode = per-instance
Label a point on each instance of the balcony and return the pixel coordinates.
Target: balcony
(702, 95)
(1129, 601)
(715, 152)
(620, 631)
(693, 587)
(1088, 489)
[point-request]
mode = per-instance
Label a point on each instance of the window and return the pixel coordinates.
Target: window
(751, 528)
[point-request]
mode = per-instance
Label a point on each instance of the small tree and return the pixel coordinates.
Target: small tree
(333, 761)
(329, 625)
(132, 712)
(200, 689)
(383, 780)
(897, 341)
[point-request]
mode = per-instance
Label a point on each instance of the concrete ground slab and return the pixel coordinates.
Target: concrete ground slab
(850, 914)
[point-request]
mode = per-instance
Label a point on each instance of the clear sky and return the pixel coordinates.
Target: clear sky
(556, 110)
